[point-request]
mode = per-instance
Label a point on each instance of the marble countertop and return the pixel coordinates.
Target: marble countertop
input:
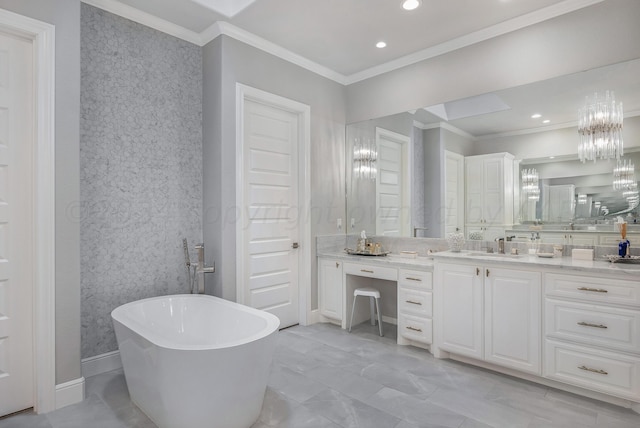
(521, 260)
(394, 260)
(530, 260)
(527, 231)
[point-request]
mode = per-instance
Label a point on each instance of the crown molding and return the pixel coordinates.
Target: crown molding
(144, 18)
(444, 125)
(484, 34)
(257, 42)
(221, 27)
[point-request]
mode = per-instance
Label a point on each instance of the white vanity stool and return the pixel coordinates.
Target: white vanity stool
(374, 295)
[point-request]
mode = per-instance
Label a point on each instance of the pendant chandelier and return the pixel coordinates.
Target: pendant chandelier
(365, 159)
(530, 184)
(624, 175)
(600, 128)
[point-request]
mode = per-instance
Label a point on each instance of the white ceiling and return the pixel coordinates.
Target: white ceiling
(340, 35)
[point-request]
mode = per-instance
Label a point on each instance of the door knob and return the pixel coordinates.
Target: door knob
(295, 245)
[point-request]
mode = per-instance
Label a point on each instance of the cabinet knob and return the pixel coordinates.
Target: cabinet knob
(487, 273)
(337, 265)
(477, 271)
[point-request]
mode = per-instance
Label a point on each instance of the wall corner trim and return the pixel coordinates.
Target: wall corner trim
(69, 393)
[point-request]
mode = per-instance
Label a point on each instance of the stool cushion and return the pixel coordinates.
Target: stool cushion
(366, 291)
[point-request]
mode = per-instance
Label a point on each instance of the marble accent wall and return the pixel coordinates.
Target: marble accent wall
(141, 167)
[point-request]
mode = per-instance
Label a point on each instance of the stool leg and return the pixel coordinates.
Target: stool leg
(372, 310)
(379, 318)
(353, 309)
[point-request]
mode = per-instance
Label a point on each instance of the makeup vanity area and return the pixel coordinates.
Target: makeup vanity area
(570, 324)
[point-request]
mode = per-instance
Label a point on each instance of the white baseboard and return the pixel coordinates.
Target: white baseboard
(101, 364)
(69, 393)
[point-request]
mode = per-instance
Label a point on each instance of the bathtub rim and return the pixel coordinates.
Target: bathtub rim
(120, 315)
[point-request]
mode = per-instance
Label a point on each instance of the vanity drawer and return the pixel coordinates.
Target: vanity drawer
(416, 302)
(597, 289)
(415, 328)
(415, 278)
(370, 271)
(591, 324)
(603, 371)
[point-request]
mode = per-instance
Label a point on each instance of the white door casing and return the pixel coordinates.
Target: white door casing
(273, 237)
(16, 224)
(393, 188)
(42, 37)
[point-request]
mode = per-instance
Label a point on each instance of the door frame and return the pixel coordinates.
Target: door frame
(459, 191)
(406, 155)
(42, 36)
(303, 112)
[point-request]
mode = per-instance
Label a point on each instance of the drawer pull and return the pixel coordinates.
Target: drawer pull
(413, 279)
(587, 324)
(588, 369)
(597, 290)
(365, 270)
(477, 271)
(413, 303)
(414, 329)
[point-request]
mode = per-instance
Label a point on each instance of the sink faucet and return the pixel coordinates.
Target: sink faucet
(500, 242)
(201, 269)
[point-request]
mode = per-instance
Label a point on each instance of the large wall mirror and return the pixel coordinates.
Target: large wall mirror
(503, 121)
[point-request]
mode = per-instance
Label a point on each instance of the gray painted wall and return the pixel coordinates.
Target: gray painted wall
(227, 61)
(65, 15)
(560, 46)
(140, 167)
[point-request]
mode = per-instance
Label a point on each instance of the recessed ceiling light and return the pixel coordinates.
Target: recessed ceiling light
(536, 116)
(546, 121)
(381, 44)
(552, 157)
(410, 4)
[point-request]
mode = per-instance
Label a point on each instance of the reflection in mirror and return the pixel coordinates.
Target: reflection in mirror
(573, 191)
(504, 121)
(380, 205)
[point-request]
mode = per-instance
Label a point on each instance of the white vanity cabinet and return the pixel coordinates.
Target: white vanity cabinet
(489, 313)
(415, 307)
(592, 333)
(569, 238)
(330, 289)
(489, 193)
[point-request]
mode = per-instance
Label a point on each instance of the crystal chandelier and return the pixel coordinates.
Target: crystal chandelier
(600, 128)
(365, 158)
(530, 184)
(624, 175)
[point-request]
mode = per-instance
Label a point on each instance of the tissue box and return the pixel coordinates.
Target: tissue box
(582, 254)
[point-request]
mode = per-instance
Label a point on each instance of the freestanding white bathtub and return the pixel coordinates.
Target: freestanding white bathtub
(195, 360)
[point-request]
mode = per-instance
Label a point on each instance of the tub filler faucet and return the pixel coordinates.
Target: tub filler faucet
(201, 269)
(198, 269)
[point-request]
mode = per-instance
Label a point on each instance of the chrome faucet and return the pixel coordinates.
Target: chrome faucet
(201, 269)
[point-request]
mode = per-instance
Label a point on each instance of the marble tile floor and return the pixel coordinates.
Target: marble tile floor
(324, 377)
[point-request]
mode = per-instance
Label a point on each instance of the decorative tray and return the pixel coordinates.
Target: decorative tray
(618, 259)
(365, 253)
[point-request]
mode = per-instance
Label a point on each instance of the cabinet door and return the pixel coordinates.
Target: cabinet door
(512, 301)
(473, 191)
(493, 191)
(330, 288)
(458, 309)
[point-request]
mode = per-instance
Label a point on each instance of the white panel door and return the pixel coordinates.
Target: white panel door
(271, 199)
(453, 193)
(392, 184)
(16, 225)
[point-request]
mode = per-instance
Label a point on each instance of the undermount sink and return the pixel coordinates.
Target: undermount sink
(496, 255)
